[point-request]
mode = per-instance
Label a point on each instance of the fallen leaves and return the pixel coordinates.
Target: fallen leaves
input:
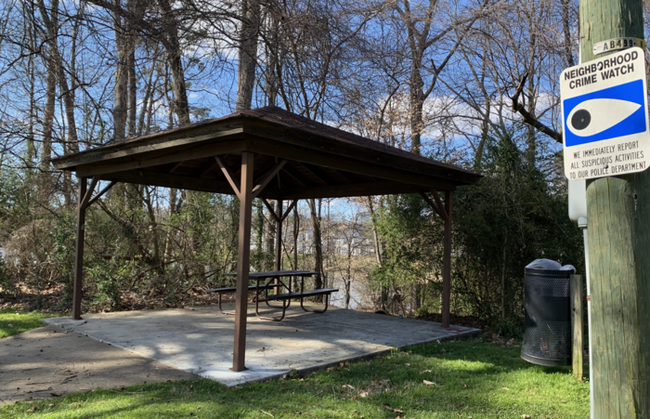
(501, 341)
(361, 393)
(429, 383)
(375, 387)
(393, 409)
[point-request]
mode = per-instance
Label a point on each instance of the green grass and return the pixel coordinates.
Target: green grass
(463, 380)
(13, 321)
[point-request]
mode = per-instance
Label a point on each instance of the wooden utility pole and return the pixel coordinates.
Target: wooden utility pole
(575, 287)
(618, 210)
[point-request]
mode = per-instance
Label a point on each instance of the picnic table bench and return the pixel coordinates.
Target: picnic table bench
(282, 281)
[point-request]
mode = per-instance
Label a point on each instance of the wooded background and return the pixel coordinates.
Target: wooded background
(473, 83)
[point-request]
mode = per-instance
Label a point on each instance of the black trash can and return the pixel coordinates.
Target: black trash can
(547, 328)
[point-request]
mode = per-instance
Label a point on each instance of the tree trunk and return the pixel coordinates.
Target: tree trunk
(273, 60)
(55, 63)
(174, 57)
(247, 54)
(45, 181)
(121, 75)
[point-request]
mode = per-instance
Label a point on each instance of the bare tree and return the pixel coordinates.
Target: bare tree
(422, 37)
(249, 31)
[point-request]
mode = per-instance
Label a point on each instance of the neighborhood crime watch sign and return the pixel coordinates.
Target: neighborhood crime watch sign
(605, 116)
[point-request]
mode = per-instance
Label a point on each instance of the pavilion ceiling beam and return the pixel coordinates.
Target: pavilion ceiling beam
(274, 213)
(289, 208)
(446, 215)
(85, 199)
(278, 176)
(176, 166)
(143, 177)
(342, 176)
(101, 193)
(208, 170)
(292, 176)
(230, 177)
(96, 166)
(342, 191)
(179, 139)
(437, 205)
(267, 178)
(271, 209)
(311, 172)
(293, 144)
(436, 178)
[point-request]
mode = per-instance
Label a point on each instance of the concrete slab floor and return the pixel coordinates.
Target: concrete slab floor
(200, 339)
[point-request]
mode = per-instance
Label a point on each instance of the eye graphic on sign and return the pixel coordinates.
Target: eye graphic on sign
(596, 115)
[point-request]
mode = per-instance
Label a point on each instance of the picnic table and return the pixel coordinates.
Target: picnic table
(286, 289)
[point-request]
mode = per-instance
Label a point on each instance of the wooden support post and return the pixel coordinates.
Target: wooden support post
(619, 237)
(243, 261)
(446, 270)
(278, 237)
(576, 324)
(79, 249)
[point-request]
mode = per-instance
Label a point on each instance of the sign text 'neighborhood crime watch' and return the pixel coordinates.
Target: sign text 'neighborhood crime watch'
(607, 68)
(604, 115)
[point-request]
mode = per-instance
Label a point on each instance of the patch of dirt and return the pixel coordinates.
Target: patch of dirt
(49, 300)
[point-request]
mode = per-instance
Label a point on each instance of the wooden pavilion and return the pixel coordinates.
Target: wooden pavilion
(263, 153)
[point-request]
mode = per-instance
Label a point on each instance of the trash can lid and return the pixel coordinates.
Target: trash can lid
(549, 265)
(546, 264)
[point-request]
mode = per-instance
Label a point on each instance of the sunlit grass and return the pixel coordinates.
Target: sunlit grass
(12, 321)
(452, 380)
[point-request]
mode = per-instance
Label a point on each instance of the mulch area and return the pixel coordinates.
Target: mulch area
(49, 300)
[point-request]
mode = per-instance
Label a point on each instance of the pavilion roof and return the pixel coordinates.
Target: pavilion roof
(320, 161)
